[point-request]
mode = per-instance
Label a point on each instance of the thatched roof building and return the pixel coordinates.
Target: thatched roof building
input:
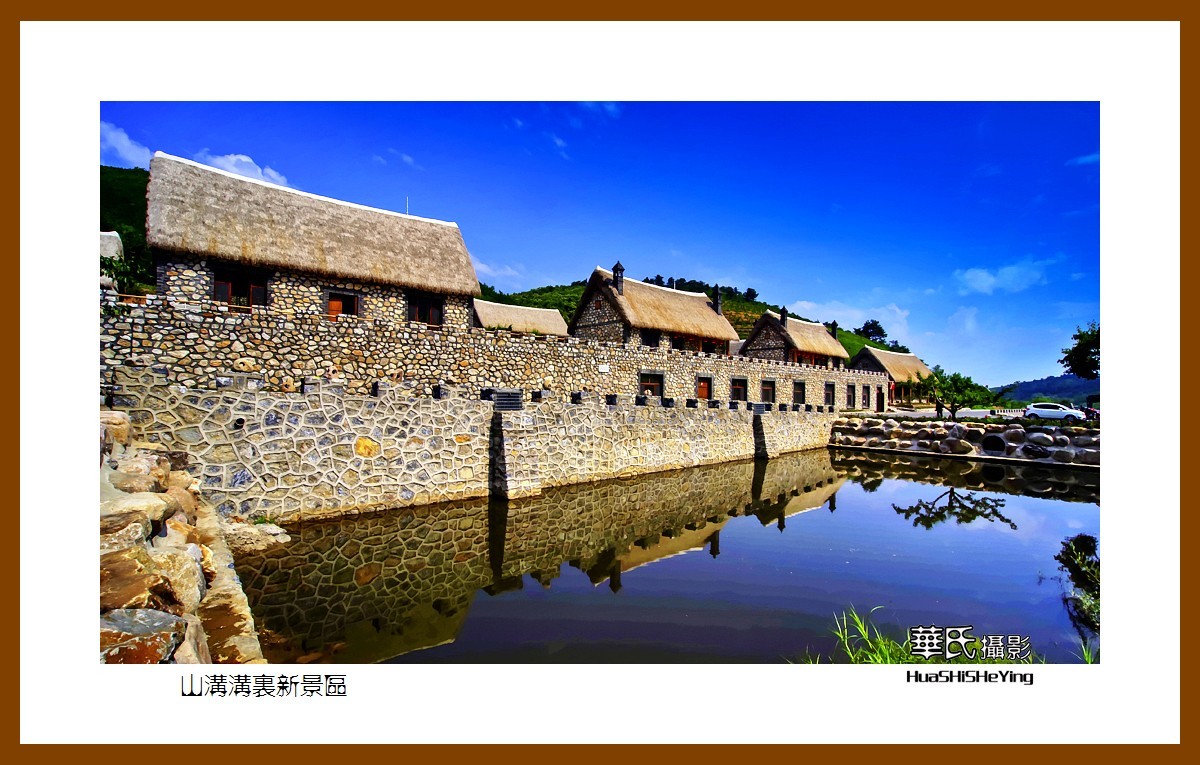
(644, 306)
(793, 337)
(900, 367)
(544, 321)
(199, 210)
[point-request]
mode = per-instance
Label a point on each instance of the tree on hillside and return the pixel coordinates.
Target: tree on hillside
(953, 391)
(872, 330)
(751, 294)
(897, 347)
(659, 280)
(1083, 358)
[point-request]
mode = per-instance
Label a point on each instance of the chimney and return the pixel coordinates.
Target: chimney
(717, 299)
(783, 316)
(619, 278)
(833, 329)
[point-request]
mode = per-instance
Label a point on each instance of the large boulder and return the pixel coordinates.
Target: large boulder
(1040, 439)
(130, 578)
(120, 531)
(194, 649)
(1087, 456)
(185, 500)
(117, 425)
(180, 479)
(151, 505)
(1035, 451)
(140, 636)
(132, 483)
(184, 573)
(176, 532)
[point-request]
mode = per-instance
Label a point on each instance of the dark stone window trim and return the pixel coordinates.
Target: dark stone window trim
(660, 373)
(762, 384)
(358, 299)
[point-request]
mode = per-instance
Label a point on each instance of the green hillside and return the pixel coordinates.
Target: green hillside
(123, 209)
(1060, 388)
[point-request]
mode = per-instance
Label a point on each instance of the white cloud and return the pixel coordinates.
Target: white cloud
(1015, 277)
(406, 159)
(519, 123)
(893, 318)
(610, 108)
(242, 165)
(559, 144)
(118, 144)
(495, 272)
(378, 159)
(1086, 159)
(964, 320)
(1077, 276)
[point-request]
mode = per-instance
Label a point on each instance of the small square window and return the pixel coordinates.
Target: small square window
(341, 303)
(737, 389)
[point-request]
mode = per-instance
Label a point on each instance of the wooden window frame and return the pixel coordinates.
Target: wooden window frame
(709, 380)
(734, 387)
(802, 387)
(762, 391)
(419, 300)
(660, 383)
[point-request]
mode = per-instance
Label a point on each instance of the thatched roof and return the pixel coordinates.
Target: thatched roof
(110, 245)
(648, 306)
(518, 318)
(203, 211)
(901, 367)
(804, 336)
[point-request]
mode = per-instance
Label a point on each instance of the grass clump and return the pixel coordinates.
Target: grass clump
(861, 642)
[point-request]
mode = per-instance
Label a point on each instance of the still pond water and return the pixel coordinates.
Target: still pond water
(741, 562)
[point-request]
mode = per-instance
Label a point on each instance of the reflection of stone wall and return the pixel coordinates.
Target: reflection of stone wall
(388, 583)
(1029, 480)
(195, 341)
(1048, 443)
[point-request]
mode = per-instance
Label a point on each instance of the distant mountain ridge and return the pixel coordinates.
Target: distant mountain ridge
(1076, 389)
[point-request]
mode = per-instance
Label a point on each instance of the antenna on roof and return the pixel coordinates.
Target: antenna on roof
(406, 204)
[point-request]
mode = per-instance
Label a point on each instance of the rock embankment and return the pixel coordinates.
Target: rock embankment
(1063, 445)
(166, 575)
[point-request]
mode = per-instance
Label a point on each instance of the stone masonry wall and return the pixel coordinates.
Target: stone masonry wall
(600, 321)
(191, 343)
(556, 442)
(767, 344)
(288, 454)
(188, 278)
(325, 452)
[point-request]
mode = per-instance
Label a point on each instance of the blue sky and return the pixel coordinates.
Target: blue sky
(970, 230)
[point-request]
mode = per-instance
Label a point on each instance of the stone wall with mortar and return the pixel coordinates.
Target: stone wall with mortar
(325, 451)
(374, 586)
(560, 441)
(189, 278)
(194, 342)
(283, 454)
(1061, 445)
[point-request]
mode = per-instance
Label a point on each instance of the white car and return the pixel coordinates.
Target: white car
(1054, 412)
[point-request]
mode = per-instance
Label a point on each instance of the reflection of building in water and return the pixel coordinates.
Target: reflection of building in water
(1034, 480)
(371, 587)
